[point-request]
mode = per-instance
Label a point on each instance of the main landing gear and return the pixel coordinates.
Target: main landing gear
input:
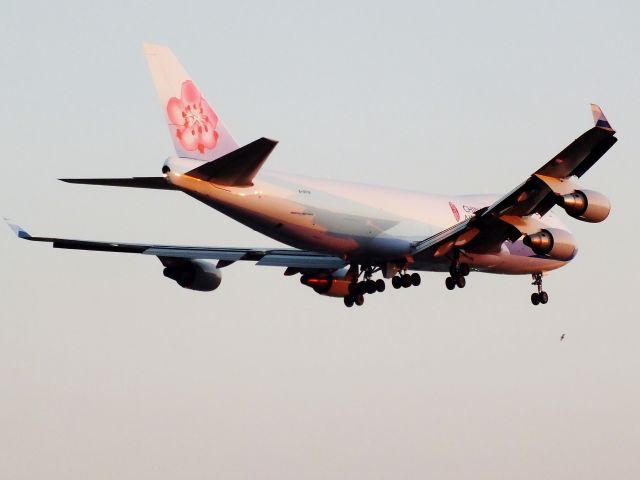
(458, 271)
(406, 280)
(357, 290)
(351, 300)
(540, 296)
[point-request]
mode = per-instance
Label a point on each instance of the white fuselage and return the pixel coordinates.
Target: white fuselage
(356, 221)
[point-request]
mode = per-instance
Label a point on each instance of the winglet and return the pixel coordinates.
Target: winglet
(598, 117)
(18, 230)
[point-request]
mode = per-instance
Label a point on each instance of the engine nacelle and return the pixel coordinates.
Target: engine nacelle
(586, 205)
(552, 242)
(326, 285)
(195, 275)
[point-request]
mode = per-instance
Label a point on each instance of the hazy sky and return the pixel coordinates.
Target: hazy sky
(110, 371)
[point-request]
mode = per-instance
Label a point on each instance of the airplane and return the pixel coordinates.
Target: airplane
(340, 234)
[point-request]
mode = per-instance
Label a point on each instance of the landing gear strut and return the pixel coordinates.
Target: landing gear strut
(540, 296)
(458, 271)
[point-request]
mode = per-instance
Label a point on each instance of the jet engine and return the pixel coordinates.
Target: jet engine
(552, 242)
(195, 275)
(586, 205)
(327, 285)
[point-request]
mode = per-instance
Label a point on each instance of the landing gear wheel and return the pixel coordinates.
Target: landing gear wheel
(450, 283)
(415, 279)
(463, 269)
(348, 301)
(535, 298)
(461, 282)
(380, 285)
(353, 289)
(544, 297)
(540, 296)
(453, 270)
(359, 300)
(370, 287)
(406, 280)
(396, 282)
(361, 288)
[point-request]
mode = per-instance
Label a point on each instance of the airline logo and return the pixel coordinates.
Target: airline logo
(454, 210)
(193, 119)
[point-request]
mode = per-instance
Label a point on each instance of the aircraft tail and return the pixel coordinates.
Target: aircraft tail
(197, 132)
(205, 148)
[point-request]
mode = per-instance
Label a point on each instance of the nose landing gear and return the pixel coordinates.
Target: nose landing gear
(540, 296)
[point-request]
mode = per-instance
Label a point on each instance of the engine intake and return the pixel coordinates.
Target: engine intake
(552, 242)
(195, 275)
(586, 205)
(326, 285)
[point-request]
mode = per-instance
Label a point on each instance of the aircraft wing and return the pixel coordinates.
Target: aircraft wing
(492, 225)
(288, 257)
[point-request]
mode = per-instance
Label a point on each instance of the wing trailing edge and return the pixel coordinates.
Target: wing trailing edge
(270, 257)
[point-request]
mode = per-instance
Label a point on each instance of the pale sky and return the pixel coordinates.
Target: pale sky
(108, 370)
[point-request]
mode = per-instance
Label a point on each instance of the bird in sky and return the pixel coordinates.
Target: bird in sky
(562, 337)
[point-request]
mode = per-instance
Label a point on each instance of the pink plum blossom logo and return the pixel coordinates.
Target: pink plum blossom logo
(193, 118)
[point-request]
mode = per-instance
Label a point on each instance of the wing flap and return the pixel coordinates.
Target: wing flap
(197, 253)
(302, 261)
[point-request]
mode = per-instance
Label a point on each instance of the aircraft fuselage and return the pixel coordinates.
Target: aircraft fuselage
(357, 221)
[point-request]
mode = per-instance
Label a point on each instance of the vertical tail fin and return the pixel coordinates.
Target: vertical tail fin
(195, 129)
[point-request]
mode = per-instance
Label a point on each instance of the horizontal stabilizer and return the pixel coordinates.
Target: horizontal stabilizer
(158, 183)
(237, 168)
